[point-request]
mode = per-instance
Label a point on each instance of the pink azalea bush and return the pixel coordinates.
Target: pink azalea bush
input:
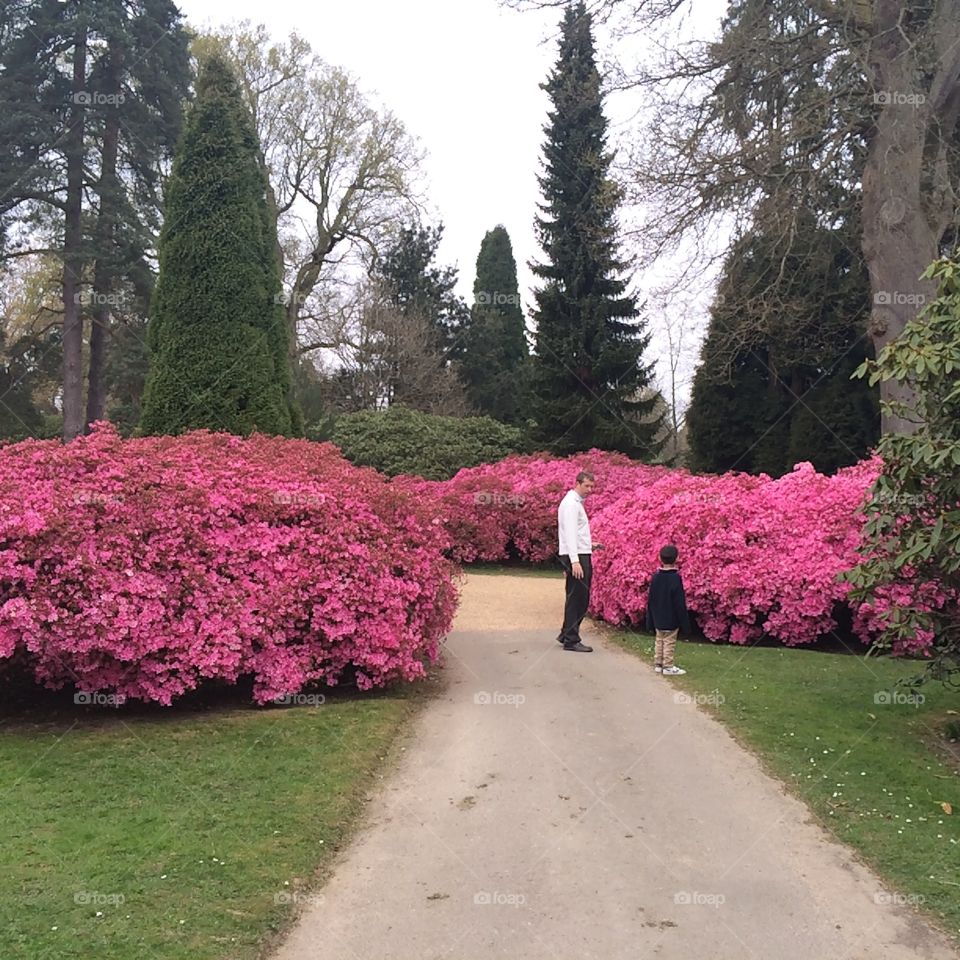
(142, 568)
(760, 557)
(508, 510)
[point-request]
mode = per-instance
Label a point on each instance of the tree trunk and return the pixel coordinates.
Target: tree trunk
(899, 240)
(898, 246)
(104, 270)
(72, 253)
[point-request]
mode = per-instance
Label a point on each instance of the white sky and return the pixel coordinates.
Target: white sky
(463, 76)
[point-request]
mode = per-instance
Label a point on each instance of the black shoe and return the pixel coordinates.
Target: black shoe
(559, 638)
(578, 647)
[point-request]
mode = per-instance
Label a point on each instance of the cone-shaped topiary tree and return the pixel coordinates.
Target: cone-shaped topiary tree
(496, 358)
(217, 339)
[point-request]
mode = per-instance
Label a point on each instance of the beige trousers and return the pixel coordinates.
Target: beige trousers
(664, 646)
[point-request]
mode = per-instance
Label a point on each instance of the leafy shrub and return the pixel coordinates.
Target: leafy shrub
(759, 556)
(140, 568)
(399, 440)
(909, 577)
(508, 510)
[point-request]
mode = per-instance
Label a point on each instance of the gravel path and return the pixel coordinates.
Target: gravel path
(553, 806)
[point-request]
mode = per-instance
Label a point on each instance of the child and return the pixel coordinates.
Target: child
(667, 611)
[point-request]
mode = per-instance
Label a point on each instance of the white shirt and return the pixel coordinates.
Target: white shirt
(574, 527)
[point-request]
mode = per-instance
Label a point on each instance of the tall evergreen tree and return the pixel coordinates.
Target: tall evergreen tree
(218, 342)
(414, 283)
(591, 385)
(90, 107)
(773, 387)
(495, 363)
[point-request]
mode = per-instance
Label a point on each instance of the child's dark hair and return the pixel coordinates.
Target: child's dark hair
(668, 554)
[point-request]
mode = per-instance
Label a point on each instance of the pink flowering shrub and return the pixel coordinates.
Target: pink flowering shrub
(760, 557)
(141, 568)
(508, 510)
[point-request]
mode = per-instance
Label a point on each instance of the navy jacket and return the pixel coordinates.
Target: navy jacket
(667, 603)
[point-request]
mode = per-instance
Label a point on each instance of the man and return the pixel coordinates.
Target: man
(576, 548)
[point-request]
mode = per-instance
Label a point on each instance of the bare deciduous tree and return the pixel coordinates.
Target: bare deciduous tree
(385, 355)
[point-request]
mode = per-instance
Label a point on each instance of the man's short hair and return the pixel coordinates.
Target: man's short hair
(668, 554)
(584, 475)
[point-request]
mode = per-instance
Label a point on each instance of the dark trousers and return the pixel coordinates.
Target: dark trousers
(578, 598)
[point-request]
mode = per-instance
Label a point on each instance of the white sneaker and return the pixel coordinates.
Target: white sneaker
(657, 668)
(673, 671)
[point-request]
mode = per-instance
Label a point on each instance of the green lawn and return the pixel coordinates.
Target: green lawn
(873, 770)
(183, 836)
(499, 570)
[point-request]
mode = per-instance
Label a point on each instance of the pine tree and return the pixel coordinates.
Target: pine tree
(590, 382)
(90, 108)
(217, 340)
(414, 283)
(495, 365)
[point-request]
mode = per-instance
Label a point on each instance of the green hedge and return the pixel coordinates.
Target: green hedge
(399, 440)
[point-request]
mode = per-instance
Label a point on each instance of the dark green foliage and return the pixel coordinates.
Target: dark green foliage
(217, 337)
(23, 365)
(912, 534)
(312, 395)
(839, 421)
(773, 386)
(133, 77)
(125, 374)
(399, 440)
(413, 283)
(591, 387)
(495, 359)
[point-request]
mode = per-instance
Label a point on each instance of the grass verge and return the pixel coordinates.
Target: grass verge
(868, 757)
(497, 570)
(184, 836)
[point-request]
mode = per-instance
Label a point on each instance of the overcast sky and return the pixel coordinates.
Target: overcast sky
(463, 76)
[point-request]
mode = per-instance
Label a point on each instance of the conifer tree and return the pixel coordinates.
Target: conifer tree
(217, 339)
(591, 385)
(495, 365)
(773, 387)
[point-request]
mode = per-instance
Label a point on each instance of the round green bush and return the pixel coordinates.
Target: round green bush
(399, 440)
